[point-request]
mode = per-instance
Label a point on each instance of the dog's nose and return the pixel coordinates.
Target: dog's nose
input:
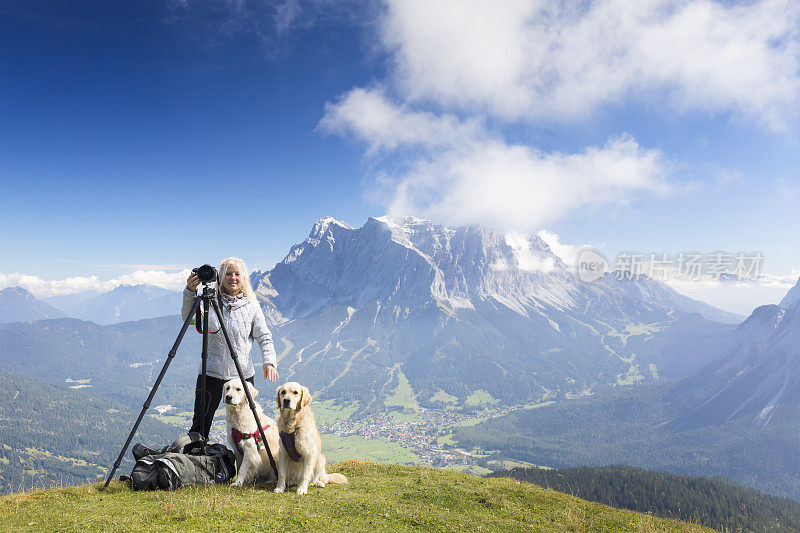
(228, 398)
(286, 402)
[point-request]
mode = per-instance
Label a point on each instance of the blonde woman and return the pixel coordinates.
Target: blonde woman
(244, 322)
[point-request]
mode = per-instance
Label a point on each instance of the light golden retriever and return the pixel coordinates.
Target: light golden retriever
(252, 462)
(300, 458)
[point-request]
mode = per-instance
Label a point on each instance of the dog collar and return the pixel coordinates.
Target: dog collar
(288, 443)
(237, 437)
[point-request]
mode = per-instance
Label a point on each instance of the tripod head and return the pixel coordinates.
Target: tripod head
(208, 291)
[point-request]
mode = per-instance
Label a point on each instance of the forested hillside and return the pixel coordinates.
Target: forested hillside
(54, 437)
(713, 502)
(627, 427)
(120, 361)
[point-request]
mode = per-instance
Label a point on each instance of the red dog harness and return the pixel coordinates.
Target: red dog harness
(237, 437)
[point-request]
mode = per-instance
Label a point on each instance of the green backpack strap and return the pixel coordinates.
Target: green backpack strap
(187, 440)
(182, 444)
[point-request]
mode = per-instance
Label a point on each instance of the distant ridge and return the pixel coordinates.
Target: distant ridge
(124, 304)
(737, 417)
(713, 502)
(19, 305)
(760, 376)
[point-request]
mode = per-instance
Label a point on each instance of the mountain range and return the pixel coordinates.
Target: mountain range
(737, 417)
(463, 309)
(760, 374)
(125, 303)
(122, 304)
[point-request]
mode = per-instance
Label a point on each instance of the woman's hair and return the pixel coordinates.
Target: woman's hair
(243, 271)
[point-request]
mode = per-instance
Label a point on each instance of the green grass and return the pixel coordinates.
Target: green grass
(327, 411)
(171, 419)
(404, 416)
(442, 396)
(468, 422)
(474, 470)
(403, 395)
(480, 397)
(338, 448)
(536, 405)
(379, 497)
(446, 439)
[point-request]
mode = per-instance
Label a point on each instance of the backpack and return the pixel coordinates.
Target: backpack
(188, 443)
(187, 461)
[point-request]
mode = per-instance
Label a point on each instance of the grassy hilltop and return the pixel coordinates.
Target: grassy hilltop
(388, 497)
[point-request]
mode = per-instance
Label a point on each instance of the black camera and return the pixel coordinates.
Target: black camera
(206, 273)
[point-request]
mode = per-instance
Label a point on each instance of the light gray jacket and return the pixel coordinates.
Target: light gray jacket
(244, 321)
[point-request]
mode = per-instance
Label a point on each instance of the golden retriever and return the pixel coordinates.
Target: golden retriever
(300, 458)
(252, 462)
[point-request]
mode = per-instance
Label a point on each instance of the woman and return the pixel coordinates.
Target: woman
(244, 322)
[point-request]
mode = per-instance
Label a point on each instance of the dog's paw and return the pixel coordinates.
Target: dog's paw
(279, 490)
(302, 490)
(319, 484)
(238, 483)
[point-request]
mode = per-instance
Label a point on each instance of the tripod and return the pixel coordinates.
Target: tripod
(207, 299)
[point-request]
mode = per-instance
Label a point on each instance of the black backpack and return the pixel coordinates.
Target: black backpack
(187, 461)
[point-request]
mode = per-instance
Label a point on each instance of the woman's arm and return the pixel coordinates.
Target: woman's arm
(263, 336)
(188, 295)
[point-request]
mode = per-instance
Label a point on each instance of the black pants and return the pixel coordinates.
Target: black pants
(213, 397)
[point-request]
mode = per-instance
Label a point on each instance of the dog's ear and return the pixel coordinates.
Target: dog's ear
(278, 396)
(253, 390)
(305, 397)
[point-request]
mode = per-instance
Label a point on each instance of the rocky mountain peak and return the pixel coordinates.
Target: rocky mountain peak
(18, 292)
(792, 298)
(412, 262)
(19, 305)
(763, 321)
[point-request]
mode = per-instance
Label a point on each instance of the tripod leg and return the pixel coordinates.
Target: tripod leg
(204, 357)
(170, 357)
(250, 401)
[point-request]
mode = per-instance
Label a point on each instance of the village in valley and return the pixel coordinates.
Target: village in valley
(403, 431)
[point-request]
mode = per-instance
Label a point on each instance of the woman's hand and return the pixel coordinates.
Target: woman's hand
(192, 282)
(270, 372)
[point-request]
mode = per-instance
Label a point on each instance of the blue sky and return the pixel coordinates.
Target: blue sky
(138, 139)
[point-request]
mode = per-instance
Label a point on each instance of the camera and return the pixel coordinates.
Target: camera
(206, 273)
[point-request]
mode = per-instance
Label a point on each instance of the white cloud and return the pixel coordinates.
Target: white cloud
(370, 115)
(566, 252)
(459, 65)
(518, 187)
(285, 14)
(787, 190)
(737, 296)
(44, 288)
(272, 27)
(528, 259)
(562, 60)
(159, 278)
(466, 175)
